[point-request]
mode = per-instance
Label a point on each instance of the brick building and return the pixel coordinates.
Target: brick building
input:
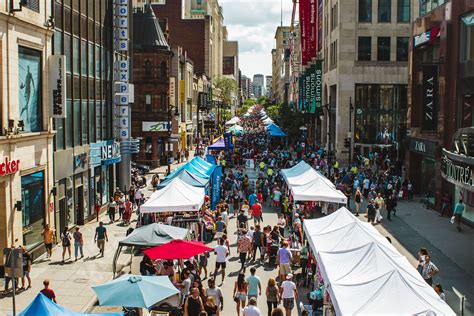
(151, 73)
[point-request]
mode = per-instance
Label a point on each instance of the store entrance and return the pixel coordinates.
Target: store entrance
(79, 199)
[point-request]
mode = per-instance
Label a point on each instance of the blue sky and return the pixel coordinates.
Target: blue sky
(253, 23)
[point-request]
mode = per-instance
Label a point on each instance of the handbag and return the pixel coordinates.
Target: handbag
(236, 297)
(452, 219)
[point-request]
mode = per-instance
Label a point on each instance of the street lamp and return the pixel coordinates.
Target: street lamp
(176, 116)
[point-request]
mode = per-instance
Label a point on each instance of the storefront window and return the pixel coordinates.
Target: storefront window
(468, 199)
(32, 198)
(428, 183)
(380, 113)
(104, 178)
(71, 215)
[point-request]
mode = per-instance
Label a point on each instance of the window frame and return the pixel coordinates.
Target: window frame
(369, 13)
(359, 42)
(399, 38)
(388, 6)
(401, 8)
(379, 38)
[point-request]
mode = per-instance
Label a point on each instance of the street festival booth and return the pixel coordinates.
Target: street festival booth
(151, 235)
(43, 306)
(233, 121)
(360, 272)
(188, 177)
(219, 144)
(274, 130)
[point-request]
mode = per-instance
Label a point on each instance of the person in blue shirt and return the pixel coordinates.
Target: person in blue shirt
(458, 210)
(252, 199)
(254, 284)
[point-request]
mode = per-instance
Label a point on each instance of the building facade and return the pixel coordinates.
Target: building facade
(365, 51)
(26, 136)
(441, 85)
(268, 86)
(245, 84)
(151, 73)
(258, 85)
(86, 151)
(281, 65)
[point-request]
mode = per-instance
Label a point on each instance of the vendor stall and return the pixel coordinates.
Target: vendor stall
(354, 258)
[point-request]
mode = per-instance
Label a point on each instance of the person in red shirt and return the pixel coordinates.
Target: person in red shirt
(49, 293)
(260, 197)
(257, 213)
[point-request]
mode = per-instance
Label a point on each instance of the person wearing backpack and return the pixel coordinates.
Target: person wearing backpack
(66, 242)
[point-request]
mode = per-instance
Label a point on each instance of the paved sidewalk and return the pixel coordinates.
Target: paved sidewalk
(72, 281)
(452, 252)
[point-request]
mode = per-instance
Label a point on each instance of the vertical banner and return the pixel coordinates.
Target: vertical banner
(216, 187)
(320, 26)
(300, 92)
(30, 85)
(228, 141)
(305, 29)
(318, 86)
(313, 29)
(312, 88)
(429, 120)
(57, 85)
(307, 90)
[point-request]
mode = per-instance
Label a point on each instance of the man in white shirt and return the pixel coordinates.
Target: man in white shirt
(221, 252)
(289, 293)
(138, 196)
(252, 309)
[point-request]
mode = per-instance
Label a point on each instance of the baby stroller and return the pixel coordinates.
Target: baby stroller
(272, 254)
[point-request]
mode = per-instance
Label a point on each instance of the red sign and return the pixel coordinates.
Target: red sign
(308, 10)
(9, 167)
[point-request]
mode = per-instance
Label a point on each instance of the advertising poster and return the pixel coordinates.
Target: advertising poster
(29, 76)
(430, 98)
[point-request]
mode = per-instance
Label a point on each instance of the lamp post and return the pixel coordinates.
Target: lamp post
(170, 153)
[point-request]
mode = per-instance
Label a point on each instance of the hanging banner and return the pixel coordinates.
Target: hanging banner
(313, 29)
(57, 85)
(228, 142)
(317, 86)
(300, 92)
(312, 89)
(216, 187)
(305, 29)
(320, 26)
(429, 121)
(307, 90)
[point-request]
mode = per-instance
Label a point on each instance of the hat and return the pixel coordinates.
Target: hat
(289, 276)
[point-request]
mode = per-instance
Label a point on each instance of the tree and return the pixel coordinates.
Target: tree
(225, 89)
(264, 101)
(247, 104)
(290, 121)
(273, 112)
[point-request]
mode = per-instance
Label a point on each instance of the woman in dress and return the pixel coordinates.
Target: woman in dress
(272, 295)
(240, 292)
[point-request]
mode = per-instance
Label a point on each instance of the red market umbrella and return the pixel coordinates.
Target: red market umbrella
(177, 249)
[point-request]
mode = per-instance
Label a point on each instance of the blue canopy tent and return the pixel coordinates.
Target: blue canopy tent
(202, 164)
(187, 177)
(275, 131)
(194, 169)
(43, 306)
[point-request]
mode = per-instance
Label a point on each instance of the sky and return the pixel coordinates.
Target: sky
(253, 24)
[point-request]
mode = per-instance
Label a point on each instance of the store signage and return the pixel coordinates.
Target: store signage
(202, 100)
(305, 29)
(425, 37)
(318, 89)
(57, 84)
(155, 126)
(307, 90)
(430, 98)
(313, 29)
(458, 169)
(172, 91)
(182, 94)
(8, 167)
(122, 88)
(423, 146)
(110, 152)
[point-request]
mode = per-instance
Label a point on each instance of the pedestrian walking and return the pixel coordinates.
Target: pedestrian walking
(371, 212)
(255, 286)
(112, 209)
(101, 237)
(258, 241)
(458, 210)
(66, 242)
(288, 293)
(429, 270)
(272, 295)
(357, 201)
(277, 312)
(203, 260)
(220, 227)
(439, 290)
(281, 225)
(252, 309)
(127, 213)
(257, 213)
(391, 204)
(121, 205)
(78, 243)
(48, 292)
(284, 258)
(240, 291)
(222, 252)
(137, 197)
(210, 307)
(215, 292)
(48, 240)
(26, 263)
(244, 247)
(422, 253)
(193, 305)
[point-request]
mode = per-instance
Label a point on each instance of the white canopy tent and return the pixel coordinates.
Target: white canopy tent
(267, 121)
(318, 190)
(177, 196)
(233, 121)
(364, 273)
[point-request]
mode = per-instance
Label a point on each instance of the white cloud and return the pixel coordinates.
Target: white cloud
(253, 23)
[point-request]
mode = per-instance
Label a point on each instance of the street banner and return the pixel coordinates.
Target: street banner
(312, 88)
(430, 98)
(307, 103)
(216, 187)
(317, 86)
(305, 29)
(313, 29)
(320, 26)
(211, 159)
(300, 92)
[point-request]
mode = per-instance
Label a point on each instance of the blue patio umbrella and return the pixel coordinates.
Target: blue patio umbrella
(43, 306)
(135, 291)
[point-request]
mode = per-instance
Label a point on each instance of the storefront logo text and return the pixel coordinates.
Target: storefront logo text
(9, 167)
